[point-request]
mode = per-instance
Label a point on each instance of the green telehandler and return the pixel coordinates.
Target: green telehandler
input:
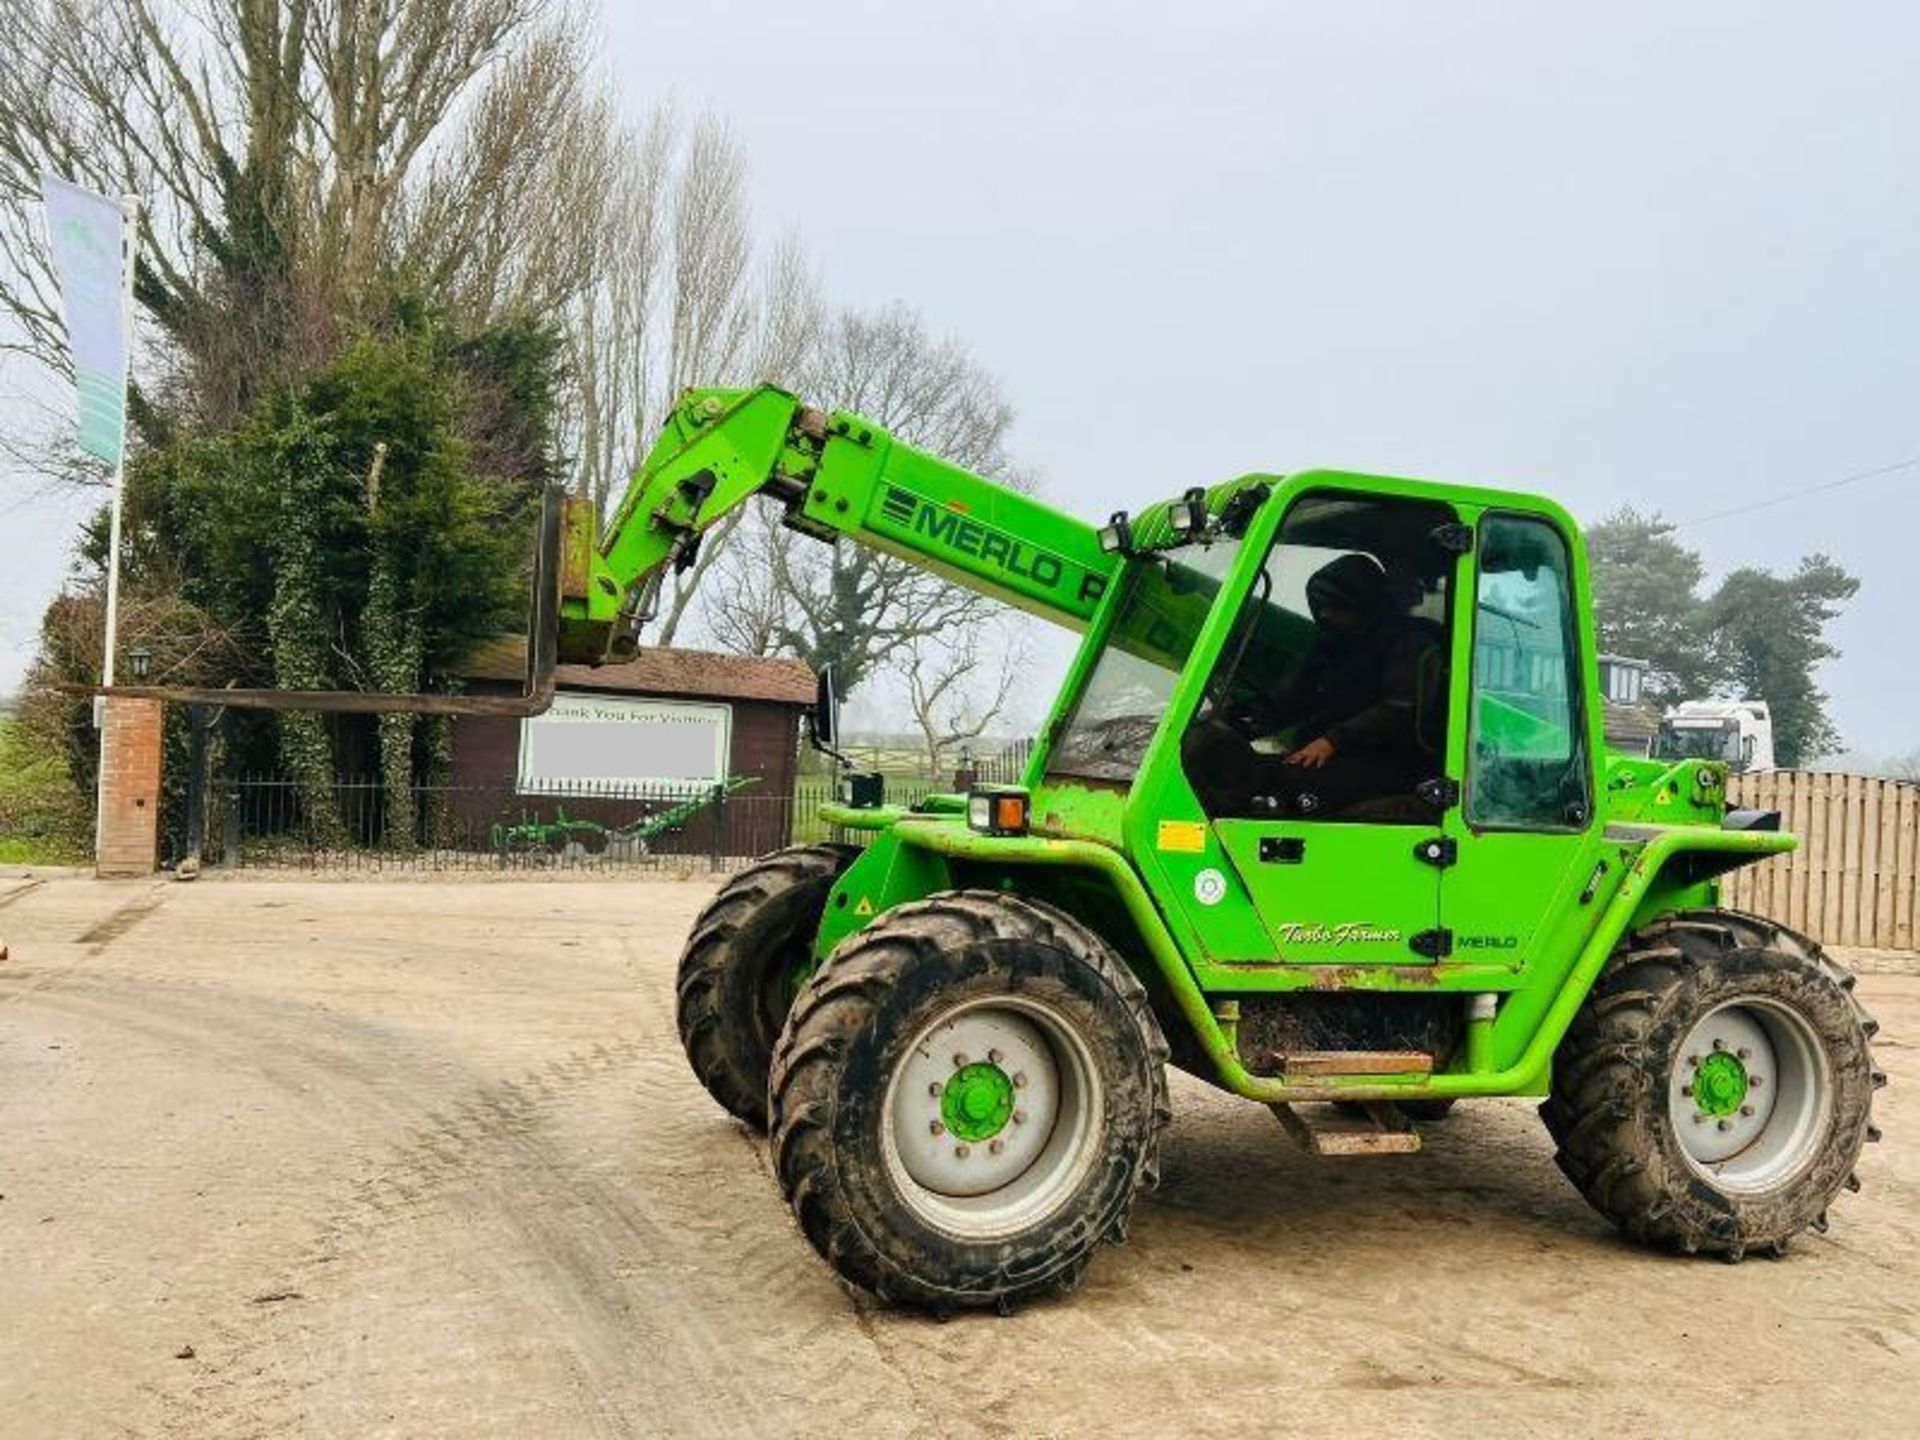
(956, 1035)
(1353, 869)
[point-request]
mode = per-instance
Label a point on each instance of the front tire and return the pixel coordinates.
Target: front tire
(1715, 1090)
(742, 965)
(966, 1100)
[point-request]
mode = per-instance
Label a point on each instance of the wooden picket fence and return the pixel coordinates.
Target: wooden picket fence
(1854, 878)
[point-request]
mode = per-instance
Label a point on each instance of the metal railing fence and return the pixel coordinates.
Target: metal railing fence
(276, 821)
(273, 821)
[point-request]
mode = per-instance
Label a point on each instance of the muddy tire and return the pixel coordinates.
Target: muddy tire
(967, 1099)
(1715, 1090)
(741, 967)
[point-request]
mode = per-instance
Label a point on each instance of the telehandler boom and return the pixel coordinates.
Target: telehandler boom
(837, 476)
(1320, 814)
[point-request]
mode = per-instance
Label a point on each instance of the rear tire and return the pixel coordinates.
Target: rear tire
(1715, 1090)
(742, 966)
(966, 1100)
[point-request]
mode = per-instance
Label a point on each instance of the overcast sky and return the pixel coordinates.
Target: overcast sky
(1658, 254)
(1666, 255)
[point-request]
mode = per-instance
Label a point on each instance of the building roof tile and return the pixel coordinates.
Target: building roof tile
(657, 670)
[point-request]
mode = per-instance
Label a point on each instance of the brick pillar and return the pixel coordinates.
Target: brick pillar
(128, 842)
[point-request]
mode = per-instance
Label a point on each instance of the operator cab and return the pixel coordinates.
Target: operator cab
(1363, 714)
(1343, 641)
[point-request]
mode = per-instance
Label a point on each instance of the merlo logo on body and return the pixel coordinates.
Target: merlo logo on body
(960, 532)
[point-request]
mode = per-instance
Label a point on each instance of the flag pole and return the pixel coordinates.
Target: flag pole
(130, 249)
(130, 208)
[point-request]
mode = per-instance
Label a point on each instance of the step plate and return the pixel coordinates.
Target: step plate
(1323, 1130)
(1312, 1064)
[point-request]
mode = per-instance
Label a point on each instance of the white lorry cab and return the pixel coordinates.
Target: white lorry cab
(1739, 732)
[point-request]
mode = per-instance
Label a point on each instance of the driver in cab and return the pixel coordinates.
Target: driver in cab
(1351, 707)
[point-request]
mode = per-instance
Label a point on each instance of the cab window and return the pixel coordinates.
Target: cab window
(1329, 700)
(1167, 599)
(1528, 766)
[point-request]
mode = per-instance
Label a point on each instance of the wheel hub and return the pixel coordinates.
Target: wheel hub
(1719, 1084)
(1750, 1095)
(992, 1117)
(977, 1101)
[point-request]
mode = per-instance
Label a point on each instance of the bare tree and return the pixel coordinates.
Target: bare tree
(957, 688)
(682, 299)
(294, 155)
(513, 213)
(854, 608)
(927, 390)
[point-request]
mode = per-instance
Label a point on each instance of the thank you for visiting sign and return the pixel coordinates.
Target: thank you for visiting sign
(610, 740)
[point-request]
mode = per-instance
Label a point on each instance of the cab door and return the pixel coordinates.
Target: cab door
(1353, 880)
(1521, 832)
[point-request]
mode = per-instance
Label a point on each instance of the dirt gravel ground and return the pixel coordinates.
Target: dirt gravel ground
(424, 1158)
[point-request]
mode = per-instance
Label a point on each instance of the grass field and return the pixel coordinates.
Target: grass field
(43, 821)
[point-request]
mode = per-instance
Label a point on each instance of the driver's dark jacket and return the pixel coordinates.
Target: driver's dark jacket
(1364, 692)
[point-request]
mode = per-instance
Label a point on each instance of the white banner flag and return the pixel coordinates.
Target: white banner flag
(88, 235)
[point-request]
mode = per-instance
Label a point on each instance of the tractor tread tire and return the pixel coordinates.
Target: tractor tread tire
(1607, 1110)
(762, 914)
(877, 990)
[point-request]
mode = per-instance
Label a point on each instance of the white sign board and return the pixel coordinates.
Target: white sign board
(594, 740)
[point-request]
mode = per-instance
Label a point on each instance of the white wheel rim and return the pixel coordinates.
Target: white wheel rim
(1754, 1135)
(1000, 1176)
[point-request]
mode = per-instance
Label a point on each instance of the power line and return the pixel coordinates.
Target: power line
(1804, 490)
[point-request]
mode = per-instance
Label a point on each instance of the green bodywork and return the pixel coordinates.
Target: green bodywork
(1528, 915)
(837, 475)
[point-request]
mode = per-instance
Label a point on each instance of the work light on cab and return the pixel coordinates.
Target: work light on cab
(998, 810)
(1188, 514)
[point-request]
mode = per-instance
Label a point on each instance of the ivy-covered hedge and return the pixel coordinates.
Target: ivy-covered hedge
(360, 531)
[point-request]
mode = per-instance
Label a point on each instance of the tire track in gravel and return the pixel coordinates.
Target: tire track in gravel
(653, 1341)
(763, 1253)
(474, 1155)
(23, 888)
(104, 932)
(95, 939)
(473, 1165)
(643, 1339)
(316, 1058)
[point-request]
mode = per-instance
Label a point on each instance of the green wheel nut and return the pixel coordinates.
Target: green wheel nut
(977, 1101)
(1720, 1084)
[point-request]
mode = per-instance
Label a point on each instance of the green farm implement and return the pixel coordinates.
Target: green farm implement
(566, 835)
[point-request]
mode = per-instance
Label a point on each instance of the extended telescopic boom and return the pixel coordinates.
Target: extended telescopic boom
(836, 475)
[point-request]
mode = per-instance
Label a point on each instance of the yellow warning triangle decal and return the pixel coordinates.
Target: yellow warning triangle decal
(865, 907)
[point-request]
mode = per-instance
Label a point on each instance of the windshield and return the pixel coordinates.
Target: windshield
(1167, 600)
(1719, 741)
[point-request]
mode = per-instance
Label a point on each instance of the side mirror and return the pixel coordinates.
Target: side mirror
(825, 720)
